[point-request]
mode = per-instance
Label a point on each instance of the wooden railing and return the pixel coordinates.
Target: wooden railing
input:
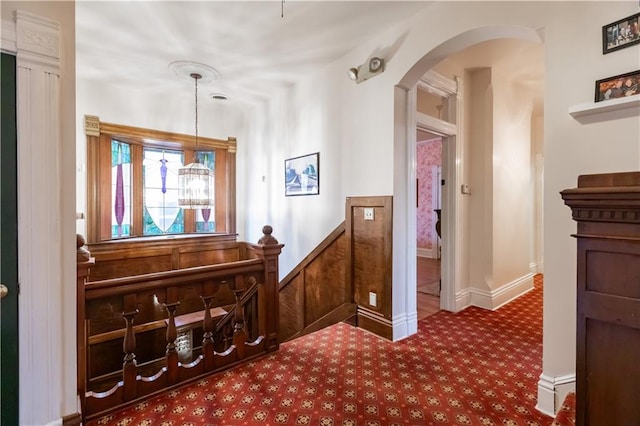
(142, 334)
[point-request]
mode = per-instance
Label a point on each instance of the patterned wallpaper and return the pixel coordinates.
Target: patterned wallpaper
(428, 154)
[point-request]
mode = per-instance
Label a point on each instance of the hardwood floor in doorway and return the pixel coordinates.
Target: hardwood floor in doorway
(428, 285)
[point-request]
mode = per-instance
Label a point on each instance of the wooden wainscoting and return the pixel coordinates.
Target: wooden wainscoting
(333, 283)
(145, 255)
(315, 295)
(369, 244)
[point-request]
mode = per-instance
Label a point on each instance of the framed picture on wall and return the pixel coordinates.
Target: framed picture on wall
(620, 34)
(618, 86)
(302, 175)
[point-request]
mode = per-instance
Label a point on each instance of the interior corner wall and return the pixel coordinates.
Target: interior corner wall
(479, 135)
(537, 185)
(512, 196)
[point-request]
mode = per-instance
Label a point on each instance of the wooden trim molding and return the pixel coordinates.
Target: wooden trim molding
(174, 140)
(99, 175)
(74, 419)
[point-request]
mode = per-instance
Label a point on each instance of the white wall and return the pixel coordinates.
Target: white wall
(479, 113)
(512, 196)
(372, 165)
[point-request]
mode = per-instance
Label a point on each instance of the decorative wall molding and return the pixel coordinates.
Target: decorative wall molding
(496, 298)
(552, 391)
(36, 43)
(438, 84)
(463, 300)
(8, 37)
(92, 125)
(533, 268)
(404, 326)
(433, 124)
(607, 214)
(426, 252)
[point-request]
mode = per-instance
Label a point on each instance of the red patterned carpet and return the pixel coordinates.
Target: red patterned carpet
(476, 367)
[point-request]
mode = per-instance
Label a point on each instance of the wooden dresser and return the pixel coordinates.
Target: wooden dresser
(607, 209)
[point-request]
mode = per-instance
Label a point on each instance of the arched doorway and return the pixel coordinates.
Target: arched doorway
(453, 256)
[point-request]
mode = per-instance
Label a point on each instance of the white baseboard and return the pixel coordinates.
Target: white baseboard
(533, 268)
(403, 326)
(552, 391)
(463, 299)
(496, 298)
(426, 252)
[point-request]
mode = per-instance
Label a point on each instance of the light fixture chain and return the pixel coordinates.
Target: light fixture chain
(196, 150)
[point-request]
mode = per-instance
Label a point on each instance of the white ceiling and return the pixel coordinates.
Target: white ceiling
(255, 50)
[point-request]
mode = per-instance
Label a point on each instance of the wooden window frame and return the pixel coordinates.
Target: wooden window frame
(99, 209)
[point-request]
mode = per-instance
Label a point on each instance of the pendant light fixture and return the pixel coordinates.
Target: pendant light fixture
(195, 180)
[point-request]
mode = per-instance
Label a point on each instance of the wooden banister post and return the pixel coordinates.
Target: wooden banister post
(84, 261)
(268, 249)
(171, 355)
(129, 365)
(239, 334)
(208, 350)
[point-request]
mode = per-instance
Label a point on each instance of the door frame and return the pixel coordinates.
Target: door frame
(451, 132)
(46, 214)
(9, 341)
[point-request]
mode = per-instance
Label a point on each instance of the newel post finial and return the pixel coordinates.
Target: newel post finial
(82, 254)
(267, 239)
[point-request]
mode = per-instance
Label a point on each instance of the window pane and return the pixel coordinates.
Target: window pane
(162, 215)
(432, 104)
(120, 189)
(206, 218)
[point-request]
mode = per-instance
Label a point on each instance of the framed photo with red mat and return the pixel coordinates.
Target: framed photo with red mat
(618, 86)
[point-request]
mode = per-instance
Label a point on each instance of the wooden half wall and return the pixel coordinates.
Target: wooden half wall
(369, 222)
(335, 282)
(315, 295)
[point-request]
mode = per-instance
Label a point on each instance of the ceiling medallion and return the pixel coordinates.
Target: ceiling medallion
(185, 69)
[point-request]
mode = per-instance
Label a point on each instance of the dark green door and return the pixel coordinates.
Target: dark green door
(8, 245)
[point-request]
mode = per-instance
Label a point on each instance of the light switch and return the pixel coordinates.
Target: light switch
(373, 299)
(368, 213)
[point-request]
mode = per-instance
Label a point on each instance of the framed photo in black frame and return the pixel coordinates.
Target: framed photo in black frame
(302, 175)
(621, 34)
(618, 86)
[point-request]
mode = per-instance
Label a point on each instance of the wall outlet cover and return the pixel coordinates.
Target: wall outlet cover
(373, 299)
(368, 213)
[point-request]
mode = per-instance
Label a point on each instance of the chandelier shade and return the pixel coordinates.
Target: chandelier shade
(196, 189)
(195, 186)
